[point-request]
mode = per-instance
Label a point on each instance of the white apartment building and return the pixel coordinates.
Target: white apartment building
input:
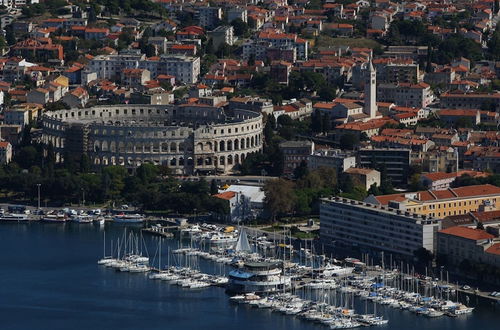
(221, 35)
(111, 66)
(407, 95)
(186, 69)
(283, 40)
(209, 16)
(237, 12)
(346, 222)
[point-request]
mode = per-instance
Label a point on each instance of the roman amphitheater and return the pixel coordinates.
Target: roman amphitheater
(189, 139)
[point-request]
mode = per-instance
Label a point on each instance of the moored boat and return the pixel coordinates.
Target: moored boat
(55, 218)
(14, 217)
(128, 218)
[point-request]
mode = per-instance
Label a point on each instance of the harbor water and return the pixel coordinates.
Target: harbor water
(50, 280)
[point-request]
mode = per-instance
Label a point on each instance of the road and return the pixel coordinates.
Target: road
(256, 180)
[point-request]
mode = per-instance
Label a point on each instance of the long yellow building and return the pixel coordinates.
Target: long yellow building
(442, 203)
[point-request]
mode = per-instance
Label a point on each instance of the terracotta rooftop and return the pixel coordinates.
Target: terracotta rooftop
(467, 233)
(451, 193)
(442, 175)
(227, 195)
(487, 216)
(494, 249)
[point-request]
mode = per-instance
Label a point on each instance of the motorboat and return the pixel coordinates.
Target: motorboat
(462, 309)
(106, 261)
(82, 218)
(128, 218)
(55, 218)
(14, 217)
(222, 238)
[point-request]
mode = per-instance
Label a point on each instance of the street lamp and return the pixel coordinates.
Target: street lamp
(38, 186)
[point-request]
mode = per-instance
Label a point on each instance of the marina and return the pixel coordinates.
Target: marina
(154, 286)
(321, 293)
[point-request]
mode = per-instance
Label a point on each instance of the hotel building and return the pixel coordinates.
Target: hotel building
(346, 222)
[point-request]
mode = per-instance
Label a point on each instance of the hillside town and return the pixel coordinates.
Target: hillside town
(379, 118)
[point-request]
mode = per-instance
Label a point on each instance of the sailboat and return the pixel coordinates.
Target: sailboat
(106, 259)
(242, 245)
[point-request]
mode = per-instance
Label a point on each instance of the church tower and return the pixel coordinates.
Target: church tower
(370, 107)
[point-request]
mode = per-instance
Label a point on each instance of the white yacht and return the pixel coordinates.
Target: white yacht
(191, 230)
(222, 238)
(258, 277)
(462, 309)
(14, 217)
(55, 218)
(82, 218)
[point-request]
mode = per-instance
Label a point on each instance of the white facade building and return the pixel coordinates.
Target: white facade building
(186, 69)
(237, 12)
(209, 16)
(346, 222)
(331, 158)
(408, 95)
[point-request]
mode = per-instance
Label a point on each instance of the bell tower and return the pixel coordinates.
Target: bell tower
(370, 107)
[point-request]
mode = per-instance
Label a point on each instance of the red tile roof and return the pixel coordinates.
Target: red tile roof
(227, 195)
(442, 175)
(494, 249)
(487, 216)
(434, 195)
(467, 233)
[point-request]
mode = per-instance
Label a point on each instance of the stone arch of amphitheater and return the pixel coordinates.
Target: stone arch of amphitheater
(131, 135)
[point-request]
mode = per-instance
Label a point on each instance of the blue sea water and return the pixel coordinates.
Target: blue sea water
(49, 279)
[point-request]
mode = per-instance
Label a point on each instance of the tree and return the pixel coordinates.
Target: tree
(279, 197)
(269, 128)
(349, 141)
(326, 123)
(214, 190)
(240, 27)
(150, 50)
(251, 59)
(209, 48)
(423, 255)
(9, 35)
(346, 184)
(85, 163)
(27, 157)
(386, 186)
(147, 173)
(316, 122)
(374, 190)
(416, 183)
(300, 171)
(327, 93)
